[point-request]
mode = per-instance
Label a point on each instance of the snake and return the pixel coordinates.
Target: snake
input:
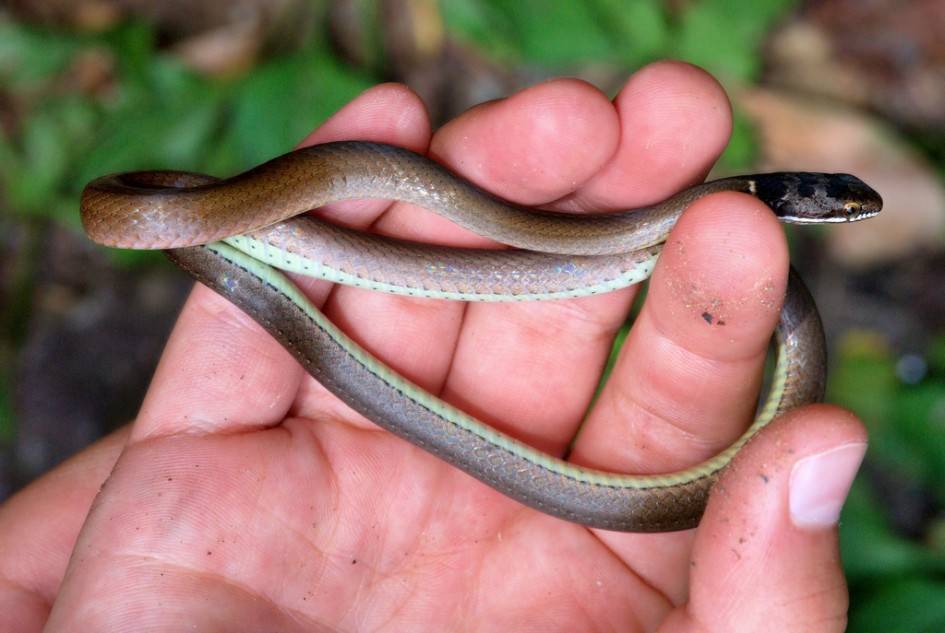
(240, 236)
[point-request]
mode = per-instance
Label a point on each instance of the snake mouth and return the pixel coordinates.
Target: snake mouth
(831, 219)
(864, 215)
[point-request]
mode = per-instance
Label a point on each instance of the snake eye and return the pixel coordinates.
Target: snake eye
(851, 208)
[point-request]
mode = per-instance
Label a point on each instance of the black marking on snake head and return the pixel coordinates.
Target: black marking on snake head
(806, 186)
(805, 197)
(770, 190)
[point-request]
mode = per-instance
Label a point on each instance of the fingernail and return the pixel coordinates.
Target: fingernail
(820, 483)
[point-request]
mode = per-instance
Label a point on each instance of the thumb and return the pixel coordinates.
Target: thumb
(766, 555)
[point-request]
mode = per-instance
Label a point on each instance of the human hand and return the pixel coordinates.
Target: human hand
(247, 497)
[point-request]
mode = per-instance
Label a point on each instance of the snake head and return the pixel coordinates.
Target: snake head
(809, 198)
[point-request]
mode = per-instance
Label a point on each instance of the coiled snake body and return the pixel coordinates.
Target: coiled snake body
(567, 256)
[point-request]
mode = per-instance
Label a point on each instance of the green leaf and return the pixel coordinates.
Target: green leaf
(479, 22)
(864, 380)
(741, 152)
(133, 46)
(280, 103)
(906, 606)
(557, 32)
(29, 55)
(920, 421)
(131, 258)
(724, 36)
(935, 355)
(871, 550)
(164, 120)
(936, 537)
(639, 29)
(43, 160)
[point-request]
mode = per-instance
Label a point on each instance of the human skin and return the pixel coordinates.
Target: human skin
(246, 497)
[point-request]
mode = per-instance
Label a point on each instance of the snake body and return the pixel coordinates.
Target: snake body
(567, 255)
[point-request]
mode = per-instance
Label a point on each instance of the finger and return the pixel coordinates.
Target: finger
(38, 528)
(675, 120)
(388, 113)
(220, 370)
(535, 146)
(529, 369)
(766, 555)
(532, 369)
(686, 382)
(552, 136)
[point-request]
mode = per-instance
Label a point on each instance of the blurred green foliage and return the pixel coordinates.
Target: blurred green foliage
(158, 114)
(897, 583)
(161, 115)
(722, 36)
